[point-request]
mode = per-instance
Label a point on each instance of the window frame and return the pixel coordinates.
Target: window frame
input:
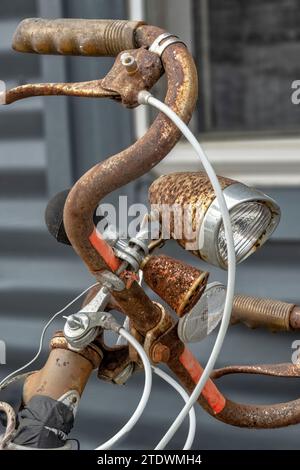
(259, 161)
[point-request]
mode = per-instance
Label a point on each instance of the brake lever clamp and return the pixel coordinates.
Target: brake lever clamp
(83, 327)
(133, 71)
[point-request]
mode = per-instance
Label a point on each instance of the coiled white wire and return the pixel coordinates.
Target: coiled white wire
(146, 98)
(145, 396)
(43, 335)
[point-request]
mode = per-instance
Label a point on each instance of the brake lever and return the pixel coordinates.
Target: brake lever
(133, 71)
(91, 89)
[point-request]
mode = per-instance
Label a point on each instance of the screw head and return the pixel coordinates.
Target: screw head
(160, 353)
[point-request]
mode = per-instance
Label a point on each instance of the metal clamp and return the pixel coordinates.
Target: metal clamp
(83, 327)
(152, 337)
(132, 251)
(163, 41)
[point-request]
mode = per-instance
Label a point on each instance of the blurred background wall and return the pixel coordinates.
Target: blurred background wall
(247, 56)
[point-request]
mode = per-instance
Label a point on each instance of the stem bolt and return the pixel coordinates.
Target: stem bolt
(160, 353)
(129, 62)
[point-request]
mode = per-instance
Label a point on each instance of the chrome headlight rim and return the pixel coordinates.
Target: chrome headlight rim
(235, 194)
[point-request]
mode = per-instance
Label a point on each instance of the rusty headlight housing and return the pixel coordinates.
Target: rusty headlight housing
(254, 215)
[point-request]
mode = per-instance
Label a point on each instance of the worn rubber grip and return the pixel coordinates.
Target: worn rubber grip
(258, 312)
(75, 36)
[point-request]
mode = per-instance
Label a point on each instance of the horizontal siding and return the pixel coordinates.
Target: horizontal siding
(38, 277)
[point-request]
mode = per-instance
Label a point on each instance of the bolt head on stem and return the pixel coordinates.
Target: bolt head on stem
(129, 62)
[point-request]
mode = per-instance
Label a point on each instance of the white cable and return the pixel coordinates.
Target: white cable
(146, 98)
(121, 341)
(192, 415)
(145, 396)
(43, 335)
(126, 324)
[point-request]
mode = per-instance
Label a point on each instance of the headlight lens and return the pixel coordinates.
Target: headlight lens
(250, 221)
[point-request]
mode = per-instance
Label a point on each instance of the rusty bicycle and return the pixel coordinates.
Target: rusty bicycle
(228, 221)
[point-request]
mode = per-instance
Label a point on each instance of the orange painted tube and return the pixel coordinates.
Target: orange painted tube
(210, 392)
(105, 250)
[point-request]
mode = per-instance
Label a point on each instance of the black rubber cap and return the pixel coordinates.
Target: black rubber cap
(54, 217)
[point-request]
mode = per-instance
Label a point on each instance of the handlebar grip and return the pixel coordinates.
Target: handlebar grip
(75, 36)
(259, 312)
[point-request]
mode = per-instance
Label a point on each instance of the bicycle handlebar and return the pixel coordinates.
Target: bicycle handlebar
(74, 36)
(257, 312)
(109, 38)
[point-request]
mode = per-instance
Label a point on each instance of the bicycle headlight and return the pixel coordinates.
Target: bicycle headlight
(254, 215)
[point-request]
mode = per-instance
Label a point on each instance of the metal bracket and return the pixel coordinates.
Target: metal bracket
(152, 337)
(83, 327)
(163, 41)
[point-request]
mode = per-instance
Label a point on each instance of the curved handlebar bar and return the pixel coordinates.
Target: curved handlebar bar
(136, 160)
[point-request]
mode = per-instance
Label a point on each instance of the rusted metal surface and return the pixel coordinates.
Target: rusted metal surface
(182, 363)
(135, 303)
(66, 37)
(115, 360)
(92, 353)
(116, 85)
(149, 70)
(136, 160)
(177, 283)
(276, 370)
(261, 416)
(190, 192)
(244, 415)
(92, 89)
(258, 312)
(10, 425)
(75, 36)
(64, 370)
(127, 166)
(152, 338)
(295, 318)
(223, 409)
(160, 353)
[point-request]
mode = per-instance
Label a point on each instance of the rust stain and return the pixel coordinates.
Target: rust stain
(190, 192)
(177, 283)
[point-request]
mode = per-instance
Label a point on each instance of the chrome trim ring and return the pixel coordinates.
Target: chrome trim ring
(235, 194)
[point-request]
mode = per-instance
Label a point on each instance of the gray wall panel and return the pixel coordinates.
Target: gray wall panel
(37, 276)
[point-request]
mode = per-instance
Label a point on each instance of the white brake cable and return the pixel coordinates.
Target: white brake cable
(167, 378)
(146, 98)
(145, 396)
(126, 324)
(43, 335)
(192, 415)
